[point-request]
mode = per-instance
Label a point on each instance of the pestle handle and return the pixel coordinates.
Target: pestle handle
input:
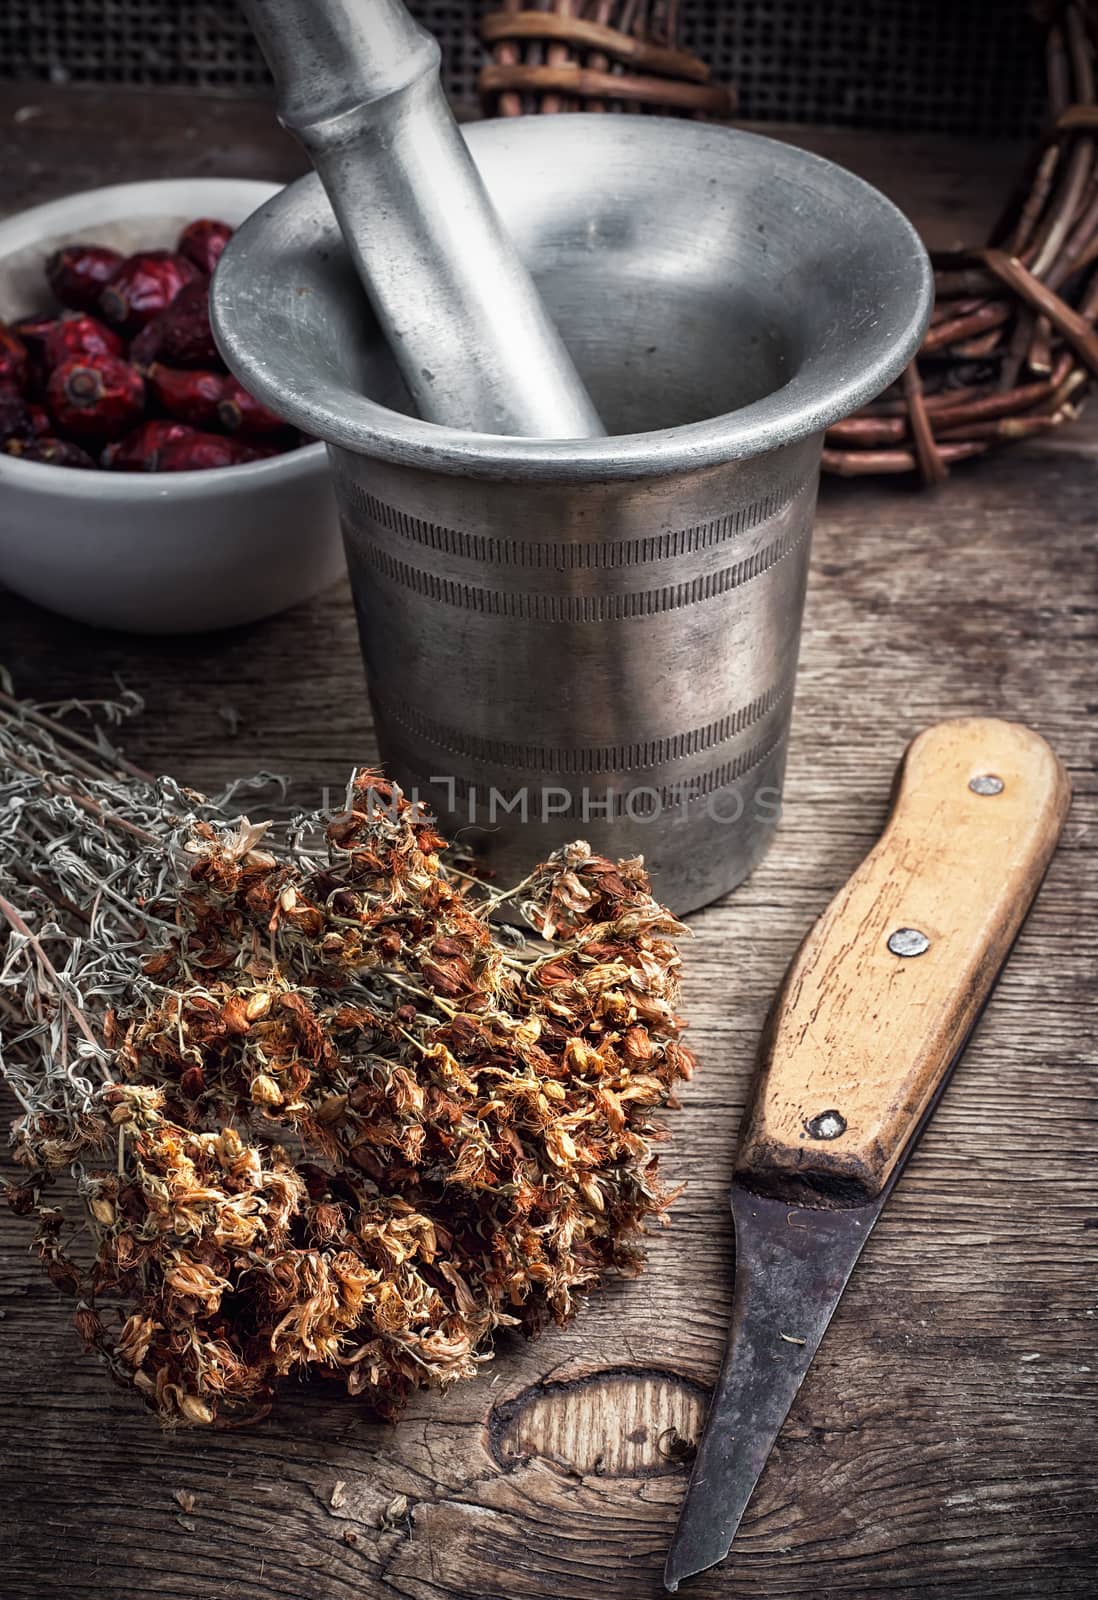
(358, 84)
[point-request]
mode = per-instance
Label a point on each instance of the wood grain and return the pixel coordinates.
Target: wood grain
(942, 1447)
(862, 1035)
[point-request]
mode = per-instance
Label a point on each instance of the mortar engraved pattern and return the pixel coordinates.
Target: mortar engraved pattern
(621, 758)
(562, 556)
(639, 804)
(536, 606)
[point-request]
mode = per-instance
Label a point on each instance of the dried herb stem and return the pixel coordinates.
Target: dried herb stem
(16, 921)
(86, 803)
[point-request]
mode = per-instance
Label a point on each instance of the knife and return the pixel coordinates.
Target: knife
(873, 1013)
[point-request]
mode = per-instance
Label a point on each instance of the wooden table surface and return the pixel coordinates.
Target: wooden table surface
(943, 1444)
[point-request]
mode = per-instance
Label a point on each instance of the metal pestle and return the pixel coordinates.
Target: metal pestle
(358, 84)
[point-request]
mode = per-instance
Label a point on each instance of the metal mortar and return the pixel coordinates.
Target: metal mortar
(598, 638)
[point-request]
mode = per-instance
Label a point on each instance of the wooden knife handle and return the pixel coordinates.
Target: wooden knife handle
(861, 1037)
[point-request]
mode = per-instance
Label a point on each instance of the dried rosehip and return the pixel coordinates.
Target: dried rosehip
(185, 336)
(81, 336)
(77, 274)
(203, 241)
(203, 452)
(15, 416)
(13, 358)
(139, 451)
(34, 331)
(145, 285)
(54, 452)
(145, 348)
(241, 413)
(96, 397)
(191, 396)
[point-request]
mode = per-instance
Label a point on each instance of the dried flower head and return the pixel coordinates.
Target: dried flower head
(326, 1116)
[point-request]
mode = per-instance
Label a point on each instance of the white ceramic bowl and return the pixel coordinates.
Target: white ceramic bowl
(174, 552)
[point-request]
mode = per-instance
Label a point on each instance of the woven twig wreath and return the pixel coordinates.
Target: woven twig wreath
(1012, 344)
(589, 55)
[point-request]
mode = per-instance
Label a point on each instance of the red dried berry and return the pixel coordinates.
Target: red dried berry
(203, 452)
(13, 358)
(145, 285)
(81, 336)
(15, 417)
(203, 241)
(77, 274)
(145, 348)
(185, 336)
(96, 397)
(53, 452)
(191, 396)
(34, 331)
(138, 451)
(241, 413)
(40, 420)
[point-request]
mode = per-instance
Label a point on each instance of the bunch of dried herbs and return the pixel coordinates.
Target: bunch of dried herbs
(326, 1114)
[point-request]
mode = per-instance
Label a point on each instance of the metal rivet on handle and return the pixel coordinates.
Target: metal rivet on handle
(986, 783)
(908, 942)
(828, 1125)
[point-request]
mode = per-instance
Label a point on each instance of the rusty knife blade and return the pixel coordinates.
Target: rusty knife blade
(792, 1265)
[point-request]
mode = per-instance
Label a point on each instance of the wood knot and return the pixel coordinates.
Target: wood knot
(621, 1422)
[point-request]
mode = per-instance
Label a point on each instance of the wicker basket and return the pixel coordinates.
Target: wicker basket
(592, 55)
(1012, 346)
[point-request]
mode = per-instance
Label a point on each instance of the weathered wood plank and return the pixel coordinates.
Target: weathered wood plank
(943, 1443)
